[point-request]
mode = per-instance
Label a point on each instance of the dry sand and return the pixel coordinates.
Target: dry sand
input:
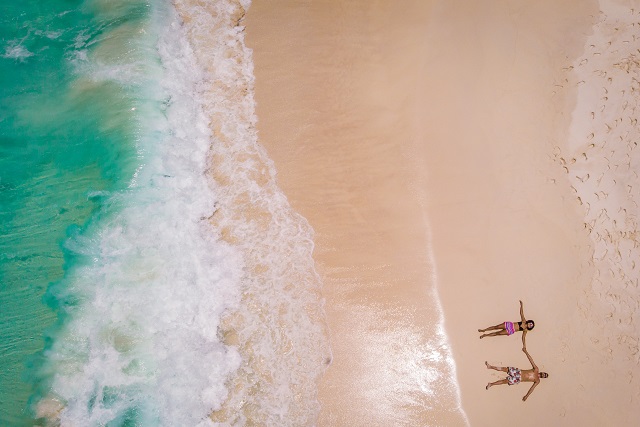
(447, 125)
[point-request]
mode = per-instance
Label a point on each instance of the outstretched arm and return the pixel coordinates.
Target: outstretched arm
(526, 396)
(533, 364)
(524, 323)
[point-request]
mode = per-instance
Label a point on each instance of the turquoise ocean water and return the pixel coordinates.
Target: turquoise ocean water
(120, 255)
(63, 140)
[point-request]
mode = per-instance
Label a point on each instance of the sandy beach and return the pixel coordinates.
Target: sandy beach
(446, 154)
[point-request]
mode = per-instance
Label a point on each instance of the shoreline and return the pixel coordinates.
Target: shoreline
(335, 120)
(447, 127)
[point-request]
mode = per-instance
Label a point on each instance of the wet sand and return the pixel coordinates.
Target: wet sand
(336, 124)
(427, 145)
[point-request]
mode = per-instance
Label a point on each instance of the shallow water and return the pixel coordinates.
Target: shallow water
(58, 141)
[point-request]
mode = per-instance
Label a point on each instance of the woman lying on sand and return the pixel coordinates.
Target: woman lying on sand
(509, 328)
(516, 375)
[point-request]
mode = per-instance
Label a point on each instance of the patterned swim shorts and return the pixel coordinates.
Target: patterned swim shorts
(513, 375)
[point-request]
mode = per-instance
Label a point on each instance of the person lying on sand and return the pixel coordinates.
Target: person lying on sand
(509, 328)
(515, 375)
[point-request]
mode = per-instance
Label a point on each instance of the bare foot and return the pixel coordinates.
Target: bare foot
(480, 330)
(482, 336)
(487, 387)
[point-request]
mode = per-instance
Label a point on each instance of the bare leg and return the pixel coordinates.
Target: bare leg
(492, 328)
(494, 334)
(496, 368)
(501, 382)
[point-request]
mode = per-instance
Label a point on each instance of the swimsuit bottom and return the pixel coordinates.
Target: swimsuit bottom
(510, 328)
(513, 376)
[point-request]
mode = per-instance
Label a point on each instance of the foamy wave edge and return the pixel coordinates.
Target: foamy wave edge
(139, 342)
(279, 327)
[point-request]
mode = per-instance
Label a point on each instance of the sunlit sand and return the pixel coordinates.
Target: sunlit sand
(469, 154)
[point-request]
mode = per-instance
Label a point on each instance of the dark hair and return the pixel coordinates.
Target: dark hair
(544, 375)
(533, 324)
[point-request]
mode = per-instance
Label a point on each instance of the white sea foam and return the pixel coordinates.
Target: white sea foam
(279, 325)
(16, 50)
(151, 281)
(191, 295)
(51, 35)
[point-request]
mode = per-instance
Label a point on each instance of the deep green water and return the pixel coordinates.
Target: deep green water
(66, 133)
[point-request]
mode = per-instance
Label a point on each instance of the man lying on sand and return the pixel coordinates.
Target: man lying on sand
(515, 375)
(509, 328)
